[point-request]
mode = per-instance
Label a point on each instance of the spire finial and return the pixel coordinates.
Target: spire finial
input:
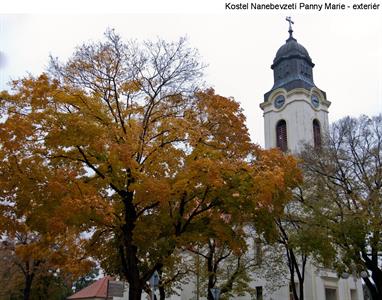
(289, 19)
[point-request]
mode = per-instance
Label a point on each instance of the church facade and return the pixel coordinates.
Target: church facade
(295, 112)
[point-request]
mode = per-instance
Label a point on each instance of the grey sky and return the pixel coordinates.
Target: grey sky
(238, 47)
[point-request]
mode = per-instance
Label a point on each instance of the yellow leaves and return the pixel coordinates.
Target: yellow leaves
(204, 171)
(131, 86)
(27, 251)
(33, 93)
(15, 131)
(275, 175)
(177, 167)
(121, 156)
(150, 190)
(225, 123)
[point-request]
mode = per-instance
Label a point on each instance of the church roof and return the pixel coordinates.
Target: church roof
(97, 289)
(291, 49)
(292, 66)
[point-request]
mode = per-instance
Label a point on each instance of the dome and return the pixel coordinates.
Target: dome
(291, 49)
(292, 66)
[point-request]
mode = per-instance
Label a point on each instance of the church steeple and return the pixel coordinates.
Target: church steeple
(295, 110)
(292, 66)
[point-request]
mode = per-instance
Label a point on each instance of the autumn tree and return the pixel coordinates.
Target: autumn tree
(145, 155)
(345, 200)
(271, 265)
(11, 281)
(226, 247)
(290, 229)
(279, 227)
(34, 240)
(301, 245)
(222, 261)
(47, 283)
(284, 237)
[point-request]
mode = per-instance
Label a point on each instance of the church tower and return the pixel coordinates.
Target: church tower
(295, 109)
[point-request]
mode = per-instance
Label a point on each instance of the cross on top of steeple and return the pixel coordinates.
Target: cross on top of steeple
(289, 19)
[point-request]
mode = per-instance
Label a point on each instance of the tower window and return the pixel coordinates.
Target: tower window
(316, 133)
(281, 135)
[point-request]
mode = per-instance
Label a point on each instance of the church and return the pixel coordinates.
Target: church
(295, 109)
(295, 112)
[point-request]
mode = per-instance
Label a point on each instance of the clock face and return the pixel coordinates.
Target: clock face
(315, 101)
(279, 101)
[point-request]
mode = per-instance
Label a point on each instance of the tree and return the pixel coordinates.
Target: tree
(281, 225)
(148, 155)
(10, 279)
(226, 245)
(35, 244)
(47, 283)
(110, 114)
(296, 257)
(271, 265)
(223, 261)
(345, 201)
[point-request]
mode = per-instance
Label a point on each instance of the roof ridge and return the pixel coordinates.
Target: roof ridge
(96, 289)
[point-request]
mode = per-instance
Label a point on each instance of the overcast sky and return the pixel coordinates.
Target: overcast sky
(239, 47)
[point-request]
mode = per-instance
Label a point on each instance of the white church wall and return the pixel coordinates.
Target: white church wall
(299, 107)
(298, 113)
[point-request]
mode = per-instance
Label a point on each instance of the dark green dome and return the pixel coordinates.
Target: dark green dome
(292, 49)
(292, 66)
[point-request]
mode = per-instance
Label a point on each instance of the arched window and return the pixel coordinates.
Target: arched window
(281, 135)
(316, 133)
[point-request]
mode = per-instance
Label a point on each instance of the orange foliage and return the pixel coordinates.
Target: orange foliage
(142, 168)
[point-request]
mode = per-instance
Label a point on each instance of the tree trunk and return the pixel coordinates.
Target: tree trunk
(294, 267)
(371, 287)
(377, 278)
(376, 274)
(291, 273)
(211, 274)
(133, 275)
(28, 287)
(134, 293)
(210, 281)
(301, 291)
(129, 251)
(162, 293)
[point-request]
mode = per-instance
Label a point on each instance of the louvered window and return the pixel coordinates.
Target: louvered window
(316, 133)
(281, 135)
